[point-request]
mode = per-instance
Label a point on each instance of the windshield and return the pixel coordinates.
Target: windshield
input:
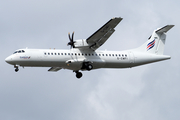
(19, 51)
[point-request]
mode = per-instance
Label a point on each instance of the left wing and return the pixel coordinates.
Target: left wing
(101, 35)
(54, 69)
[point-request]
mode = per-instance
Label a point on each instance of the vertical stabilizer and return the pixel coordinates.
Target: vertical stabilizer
(156, 41)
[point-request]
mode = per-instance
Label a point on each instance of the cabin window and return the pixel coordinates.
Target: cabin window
(109, 54)
(71, 53)
(112, 54)
(82, 54)
(68, 53)
(54, 53)
(61, 53)
(116, 54)
(64, 53)
(125, 55)
(51, 53)
(23, 51)
(85, 54)
(79, 54)
(92, 54)
(99, 54)
(89, 54)
(106, 54)
(75, 54)
(58, 53)
(44, 53)
(119, 55)
(48, 53)
(102, 54)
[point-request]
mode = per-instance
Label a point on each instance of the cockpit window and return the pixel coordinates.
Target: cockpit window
(19, 51)
(15, 52)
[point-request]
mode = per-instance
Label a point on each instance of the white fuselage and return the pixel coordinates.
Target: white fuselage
(73, 59)
(83, 53)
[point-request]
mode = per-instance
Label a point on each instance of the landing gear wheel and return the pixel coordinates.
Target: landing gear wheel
(89, 67)
(16, 70)
(78, 74)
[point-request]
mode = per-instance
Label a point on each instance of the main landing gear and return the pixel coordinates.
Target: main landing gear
(86, 66)
(16, 68)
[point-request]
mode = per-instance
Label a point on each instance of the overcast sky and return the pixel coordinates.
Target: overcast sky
(148, 92)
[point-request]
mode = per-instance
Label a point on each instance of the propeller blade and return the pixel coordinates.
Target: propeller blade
(71, 39)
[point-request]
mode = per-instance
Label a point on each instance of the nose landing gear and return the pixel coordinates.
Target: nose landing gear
(16, 68)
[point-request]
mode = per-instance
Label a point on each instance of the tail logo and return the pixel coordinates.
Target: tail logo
(150, 45)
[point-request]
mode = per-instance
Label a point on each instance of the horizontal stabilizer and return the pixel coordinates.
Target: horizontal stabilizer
(54, 69)
(164, 29)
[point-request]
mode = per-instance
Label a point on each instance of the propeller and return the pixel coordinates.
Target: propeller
(71, 39)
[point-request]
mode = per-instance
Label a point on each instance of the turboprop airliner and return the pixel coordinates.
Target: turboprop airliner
(84, 56)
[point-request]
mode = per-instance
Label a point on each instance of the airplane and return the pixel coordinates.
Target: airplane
(84, 56)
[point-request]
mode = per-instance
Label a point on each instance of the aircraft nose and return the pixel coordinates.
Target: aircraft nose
(8, 59)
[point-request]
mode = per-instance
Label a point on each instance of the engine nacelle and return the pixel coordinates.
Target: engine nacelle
(81, 43)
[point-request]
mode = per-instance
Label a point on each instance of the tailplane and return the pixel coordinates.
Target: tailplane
(156, 41)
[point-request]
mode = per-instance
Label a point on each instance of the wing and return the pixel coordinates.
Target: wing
(101, 35)
(54, 69)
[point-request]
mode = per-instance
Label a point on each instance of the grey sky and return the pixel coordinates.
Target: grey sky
(148, 92)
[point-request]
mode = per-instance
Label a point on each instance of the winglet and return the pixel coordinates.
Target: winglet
(164, 29)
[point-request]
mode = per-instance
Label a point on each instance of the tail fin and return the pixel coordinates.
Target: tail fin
(156, 42)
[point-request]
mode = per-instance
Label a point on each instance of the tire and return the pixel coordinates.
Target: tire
(89, 67)
(16, 70)
(78, 74)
